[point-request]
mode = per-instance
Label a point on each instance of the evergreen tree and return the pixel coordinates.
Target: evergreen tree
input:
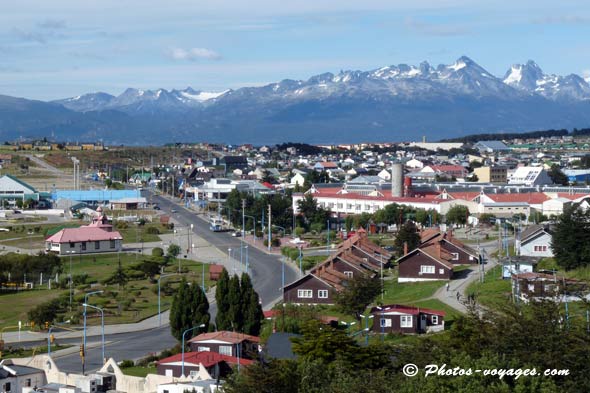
(234, 299)
(251, 308)
(557, 175)
(190, 308)
(571, 239)
(407, 234)
(457, 215)
(221, 320)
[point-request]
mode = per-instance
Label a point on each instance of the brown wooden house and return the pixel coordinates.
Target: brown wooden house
(355, 256)
(542, 286)
(461, 253)
(396, 318)
(428, 263)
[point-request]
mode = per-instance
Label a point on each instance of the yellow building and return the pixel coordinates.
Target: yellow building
(491, 174)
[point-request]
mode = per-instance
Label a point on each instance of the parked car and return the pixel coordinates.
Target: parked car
(236, 234)
(156, 207)
(173, 211)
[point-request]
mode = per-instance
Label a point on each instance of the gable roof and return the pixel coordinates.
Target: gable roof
(206, 358)
(432, 252)
(399, 308)
(83, 234)
(226, 336)
(532, 232)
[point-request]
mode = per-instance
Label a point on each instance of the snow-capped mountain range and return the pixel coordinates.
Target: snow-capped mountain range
(390, 103)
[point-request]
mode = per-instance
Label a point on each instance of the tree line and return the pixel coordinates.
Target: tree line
(508, 135)
(238, 307)
(515, 337)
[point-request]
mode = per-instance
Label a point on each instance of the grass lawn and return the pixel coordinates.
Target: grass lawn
(14, 305)
(139, 371)
(135, 233)
(494, 291)
(435, 304)
(582, 273)
(407, 293)
(24, 353)
(29, 243)
(136, 301)
(22, 231)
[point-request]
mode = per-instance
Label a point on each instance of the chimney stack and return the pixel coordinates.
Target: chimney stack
(405, 248)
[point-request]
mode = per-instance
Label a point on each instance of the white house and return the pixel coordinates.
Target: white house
(530, 176)
(535, 241)
(298, 179)
(554, 207)
(15, 378)
(414, 164)
(95, 237)
(385, 175)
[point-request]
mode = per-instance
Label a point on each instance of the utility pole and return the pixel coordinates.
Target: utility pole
(243, 232)
(269, 226)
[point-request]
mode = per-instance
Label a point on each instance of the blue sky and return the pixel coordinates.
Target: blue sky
(62, 48)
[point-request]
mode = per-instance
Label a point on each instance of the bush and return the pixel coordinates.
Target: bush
(317, 227)
(299, 231)
(153, 231)
(157, 252)
(127, 363)
(121, 225)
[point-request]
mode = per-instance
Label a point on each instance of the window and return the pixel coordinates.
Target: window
(203, 349)
(441, 271)
(305, 293)
(113, 243)
(434, 319)
(168, 372)
(406, 321)
(540, 248)
(340, 205)
(97, 245)
(385, 322)
(427, 269)
(225, 350)
(455, 256)
(71, 245)
(83, 246)
(323, 293)
(367, 207)
(194, 373)
(357, 207)
(348, 274)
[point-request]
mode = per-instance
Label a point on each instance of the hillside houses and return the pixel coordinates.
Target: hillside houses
(355, 256)
(435, 257)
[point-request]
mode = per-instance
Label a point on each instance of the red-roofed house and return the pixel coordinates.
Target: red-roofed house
(92, 238)
(427, 263)
(396, 318)
(215, 364)
(226, 343)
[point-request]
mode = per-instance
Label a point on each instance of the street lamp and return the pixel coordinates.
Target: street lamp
(254, 225)
(71, 289)
(159, 313)
(366, 318)
(301, 260)
(49, 337)
(348, 324)
(84, 304)
(247, 261)
(102, 326)
(183, 334)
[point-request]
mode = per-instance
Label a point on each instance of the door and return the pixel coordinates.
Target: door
(422, 323)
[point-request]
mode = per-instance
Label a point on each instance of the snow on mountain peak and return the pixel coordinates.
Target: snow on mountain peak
(202, 95)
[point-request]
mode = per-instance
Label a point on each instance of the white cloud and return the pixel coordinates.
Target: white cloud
(193, 54)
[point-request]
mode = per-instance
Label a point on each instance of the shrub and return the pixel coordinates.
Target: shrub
(157, 252)
(127, 363)
(299, 231)
(153, 231)
(317, 227)
(121, 225)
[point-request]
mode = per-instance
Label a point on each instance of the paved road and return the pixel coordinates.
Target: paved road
(460, 285)
(45, 165)
(265, 269)
(120, 346)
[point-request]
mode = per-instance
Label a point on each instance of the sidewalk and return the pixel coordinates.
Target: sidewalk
(459, 286)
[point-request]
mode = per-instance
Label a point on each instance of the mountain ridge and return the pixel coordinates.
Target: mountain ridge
(389, 103)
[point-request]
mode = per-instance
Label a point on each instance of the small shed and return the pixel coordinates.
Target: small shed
(215, 272)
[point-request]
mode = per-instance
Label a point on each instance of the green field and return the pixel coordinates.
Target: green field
(14, 306)
(139, 371)
(136, 233)
(133, 302)
(407, 293)
(494, 291)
